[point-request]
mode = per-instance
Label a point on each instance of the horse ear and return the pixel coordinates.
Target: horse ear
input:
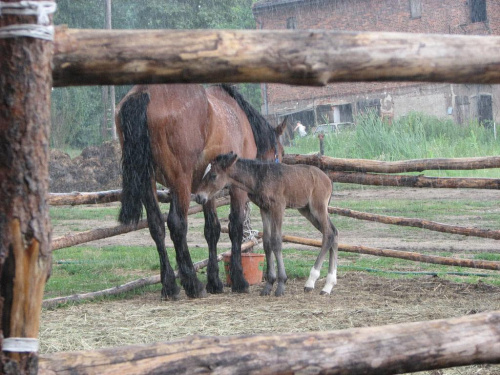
(281, 128)
(229, 160)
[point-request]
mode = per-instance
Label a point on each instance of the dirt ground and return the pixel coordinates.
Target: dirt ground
(360, 299)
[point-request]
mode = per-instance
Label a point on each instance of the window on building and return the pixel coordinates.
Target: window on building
(415, 8)
(291, 23)
(477, 10)
(368, 105)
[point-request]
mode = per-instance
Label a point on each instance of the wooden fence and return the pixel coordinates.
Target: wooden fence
(83, 57)
(327, 164)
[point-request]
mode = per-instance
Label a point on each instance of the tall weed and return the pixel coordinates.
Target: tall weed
(414, 136)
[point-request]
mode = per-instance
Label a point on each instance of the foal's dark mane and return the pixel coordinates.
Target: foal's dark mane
(263, 132)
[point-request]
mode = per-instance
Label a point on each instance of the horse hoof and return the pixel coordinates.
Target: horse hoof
(308, 289)
(215, 288)
(323, 293)
(279, 293)
(265, 292)
(240, 286)
(171, 295)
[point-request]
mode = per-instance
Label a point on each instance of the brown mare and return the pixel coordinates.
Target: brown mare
(274, 187)
(169, 133)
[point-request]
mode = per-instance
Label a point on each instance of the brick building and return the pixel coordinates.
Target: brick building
(339, 102)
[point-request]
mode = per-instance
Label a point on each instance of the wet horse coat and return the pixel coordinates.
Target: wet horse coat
(169, 133)
(274, 187)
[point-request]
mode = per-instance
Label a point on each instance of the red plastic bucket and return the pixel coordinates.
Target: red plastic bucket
(253, 266)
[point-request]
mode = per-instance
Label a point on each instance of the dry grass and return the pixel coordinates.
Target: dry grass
(358, 300)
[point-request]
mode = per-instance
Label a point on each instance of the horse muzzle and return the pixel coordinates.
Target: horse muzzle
(201, 198)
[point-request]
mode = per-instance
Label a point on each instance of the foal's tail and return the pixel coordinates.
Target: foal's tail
(137, 158)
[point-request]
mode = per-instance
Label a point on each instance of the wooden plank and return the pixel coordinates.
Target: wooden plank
(389, 349)
(299, 57)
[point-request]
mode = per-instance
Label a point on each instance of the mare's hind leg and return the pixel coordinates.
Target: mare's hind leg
(169, 289)
(212, 234)
(236, 219)
(266, 241)
(177, 224)
(322, 222)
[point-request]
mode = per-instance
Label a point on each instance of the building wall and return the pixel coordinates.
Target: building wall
(437, 16)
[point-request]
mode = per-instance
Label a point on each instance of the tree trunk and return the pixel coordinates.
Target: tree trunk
(390, 349)
(300, 57)
(25, 256)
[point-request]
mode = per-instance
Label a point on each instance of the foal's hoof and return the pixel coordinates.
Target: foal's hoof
(323, 293)
(308, 289)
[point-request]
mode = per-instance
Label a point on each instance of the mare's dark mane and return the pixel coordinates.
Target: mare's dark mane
(263, 132)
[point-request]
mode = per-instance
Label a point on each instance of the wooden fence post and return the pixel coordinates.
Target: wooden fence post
(26, 50)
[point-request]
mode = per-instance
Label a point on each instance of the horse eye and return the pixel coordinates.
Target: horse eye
(212, 176)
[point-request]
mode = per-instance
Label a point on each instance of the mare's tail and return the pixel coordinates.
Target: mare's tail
(137, 158)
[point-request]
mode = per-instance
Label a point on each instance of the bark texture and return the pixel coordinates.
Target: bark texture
(25, 256)
(299, 57)
(390, 349)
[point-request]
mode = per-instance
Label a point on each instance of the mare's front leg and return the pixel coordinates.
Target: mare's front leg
(169, 289)
(212, 235)
(236, 219)
(266, 240)
(177, 224)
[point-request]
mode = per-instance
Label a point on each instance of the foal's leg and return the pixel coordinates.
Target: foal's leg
(276, 244)
(169, 289)
(266, 241)
(177, 224)
(322, 222)
(236, 219)
(212, 234)
(331, 278)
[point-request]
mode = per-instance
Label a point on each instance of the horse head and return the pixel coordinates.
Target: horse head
(215, 177)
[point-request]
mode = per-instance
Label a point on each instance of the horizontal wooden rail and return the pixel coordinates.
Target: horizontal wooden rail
(390, 349)
(417, 223)
(416, 257)
(327, 163)
(299, 57)
(135, 284)
(373, 179)
(98, 197)
(100, 233)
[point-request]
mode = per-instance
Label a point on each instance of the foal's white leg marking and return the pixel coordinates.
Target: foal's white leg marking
(331, 280)
(313, 276)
